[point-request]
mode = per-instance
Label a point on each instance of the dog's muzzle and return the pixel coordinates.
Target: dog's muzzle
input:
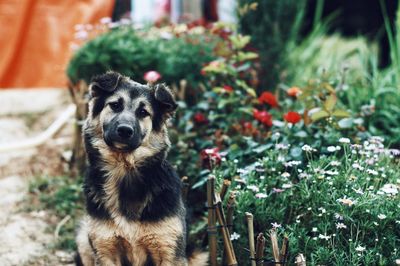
(123, 136)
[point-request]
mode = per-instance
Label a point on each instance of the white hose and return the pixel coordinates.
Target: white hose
(43, 137)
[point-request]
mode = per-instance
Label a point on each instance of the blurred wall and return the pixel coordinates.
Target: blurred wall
(35, 38)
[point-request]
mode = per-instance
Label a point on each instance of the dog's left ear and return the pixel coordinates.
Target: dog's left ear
(165, 97)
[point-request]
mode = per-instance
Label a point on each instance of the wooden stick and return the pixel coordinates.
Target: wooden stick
(185, 187)
(284, 250)
(300, 260)
(250, 229)
(275, 246)
(230, 253)
(230, 207)
(212, 229)
(260, 249)
(224, 189)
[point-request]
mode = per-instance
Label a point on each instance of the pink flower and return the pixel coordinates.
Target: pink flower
(210, 157)
(278, 190)
(200, 118)
(228, 88)
(152, 76)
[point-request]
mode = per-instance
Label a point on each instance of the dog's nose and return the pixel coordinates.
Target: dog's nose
(125, 131)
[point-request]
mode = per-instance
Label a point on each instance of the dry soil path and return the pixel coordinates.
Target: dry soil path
(25, 238)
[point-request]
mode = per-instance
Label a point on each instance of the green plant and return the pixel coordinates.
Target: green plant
(63, 197)
(273, 27)
(339, 208)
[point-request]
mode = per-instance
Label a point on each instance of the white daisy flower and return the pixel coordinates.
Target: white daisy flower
(335, 163)
(261, 195)
(381, 216)
(254, 188)
(360, 248)
(344, 140)
(235, 236)
(331, 148)
(307, 148)
(276, 225)
(341, 226)
(325, 237)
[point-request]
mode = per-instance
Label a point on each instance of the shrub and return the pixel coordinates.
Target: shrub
(134, 52)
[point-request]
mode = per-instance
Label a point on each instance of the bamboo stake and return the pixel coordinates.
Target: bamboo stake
(185, 187)
(284, 250)
(274, 242)
(230, 207)
(230, 253)
(79, 95)
(250, 228)
(260, 249)
(212, 229)
(224, 189)
(300, 260)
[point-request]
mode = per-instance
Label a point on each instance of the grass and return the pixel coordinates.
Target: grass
(62, 197)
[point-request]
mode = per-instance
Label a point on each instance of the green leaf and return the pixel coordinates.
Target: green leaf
(301, 134)
(246, 56)
(218, 90)
(330, 102)
(239, 41)
(246, 87)
(319, 115)
(295, 152)
(262, 148)
(328, 87)
(346, 123)
(340, 113)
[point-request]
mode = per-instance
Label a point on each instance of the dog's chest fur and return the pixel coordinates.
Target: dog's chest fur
(116, 188)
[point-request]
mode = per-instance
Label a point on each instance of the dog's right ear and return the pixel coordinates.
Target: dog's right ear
(104, 84)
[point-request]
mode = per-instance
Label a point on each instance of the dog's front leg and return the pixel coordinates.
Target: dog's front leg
(117, 251)
(168, 253)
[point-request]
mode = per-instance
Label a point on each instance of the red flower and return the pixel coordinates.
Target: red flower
(292, 117)
(268, 98)
(200, 118)
(248, 125)
(263, 116)
(152, 76)
(228, 88)
(293, 91)
(210, 157)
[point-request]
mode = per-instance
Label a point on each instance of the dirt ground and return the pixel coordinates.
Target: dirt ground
(26, 238)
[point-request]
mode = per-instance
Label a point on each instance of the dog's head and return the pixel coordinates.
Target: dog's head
(127, 115)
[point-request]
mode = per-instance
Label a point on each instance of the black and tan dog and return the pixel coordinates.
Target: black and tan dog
(135, 211)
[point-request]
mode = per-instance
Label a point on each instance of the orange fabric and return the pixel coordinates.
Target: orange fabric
(35, 38)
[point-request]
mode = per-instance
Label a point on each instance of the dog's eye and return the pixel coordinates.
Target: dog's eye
(116, 106)
(143, 113)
